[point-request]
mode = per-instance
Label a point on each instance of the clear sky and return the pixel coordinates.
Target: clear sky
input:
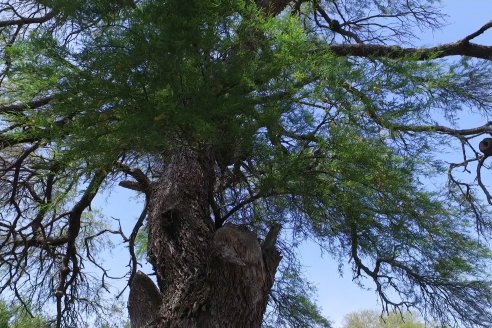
(336, 295)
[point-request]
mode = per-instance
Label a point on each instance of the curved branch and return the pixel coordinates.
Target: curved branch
(73, 231)
(480, 31)
(335, 26)
(371, 112)
(480, 182)
(238, 207)
(142, 183)
(133, 237)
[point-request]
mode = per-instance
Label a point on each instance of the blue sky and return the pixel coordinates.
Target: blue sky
(336, 295)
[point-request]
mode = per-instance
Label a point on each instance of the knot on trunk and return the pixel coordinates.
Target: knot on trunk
(144, 301)
(240, 275)
(237, 245)
(485, 146)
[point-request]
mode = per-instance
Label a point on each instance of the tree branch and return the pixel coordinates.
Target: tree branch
(334, 25)
(272, 7)
(480, 31)
(460, 48)
(72, 234)
(28, 20)
(142, 182)
(29, 105)
(371, 112)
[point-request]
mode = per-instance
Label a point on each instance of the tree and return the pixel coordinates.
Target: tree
(373, 319)
(17, 317)
(236, 120)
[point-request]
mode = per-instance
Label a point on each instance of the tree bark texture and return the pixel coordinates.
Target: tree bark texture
(207, 277)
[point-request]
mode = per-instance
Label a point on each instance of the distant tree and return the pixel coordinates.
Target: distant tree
(246, 127)
(374, 319)
(18, 317)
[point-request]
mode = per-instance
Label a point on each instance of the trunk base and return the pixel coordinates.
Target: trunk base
(231, 292)
(206, 277)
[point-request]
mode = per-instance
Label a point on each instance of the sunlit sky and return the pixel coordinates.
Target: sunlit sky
(336, 295)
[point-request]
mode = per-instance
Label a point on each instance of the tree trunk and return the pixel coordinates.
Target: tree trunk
(207, 277)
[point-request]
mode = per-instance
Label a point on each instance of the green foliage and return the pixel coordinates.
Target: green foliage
(373, 319)
(334, 148)
(141, 241)
(291, 302)
(17, 317)
(139, 89)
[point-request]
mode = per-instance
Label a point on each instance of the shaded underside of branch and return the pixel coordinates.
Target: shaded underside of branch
(461, 48)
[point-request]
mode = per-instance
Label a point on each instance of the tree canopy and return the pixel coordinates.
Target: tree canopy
(319, 116)
(373, 319)
(17, 317)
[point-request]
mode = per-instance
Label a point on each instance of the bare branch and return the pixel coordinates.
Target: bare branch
(28, 20)
(459, 48)
(142, 182)
(480, 31)
(71, 252)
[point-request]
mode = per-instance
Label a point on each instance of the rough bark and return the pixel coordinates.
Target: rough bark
(144, 300)
(206, 277)
(460, 48)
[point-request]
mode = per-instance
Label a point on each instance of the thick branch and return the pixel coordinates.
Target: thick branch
(460, 48)
(142, 182)
(29, 105)
(28, 20)
(272, 7)
(132, 185)
(478, 32)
